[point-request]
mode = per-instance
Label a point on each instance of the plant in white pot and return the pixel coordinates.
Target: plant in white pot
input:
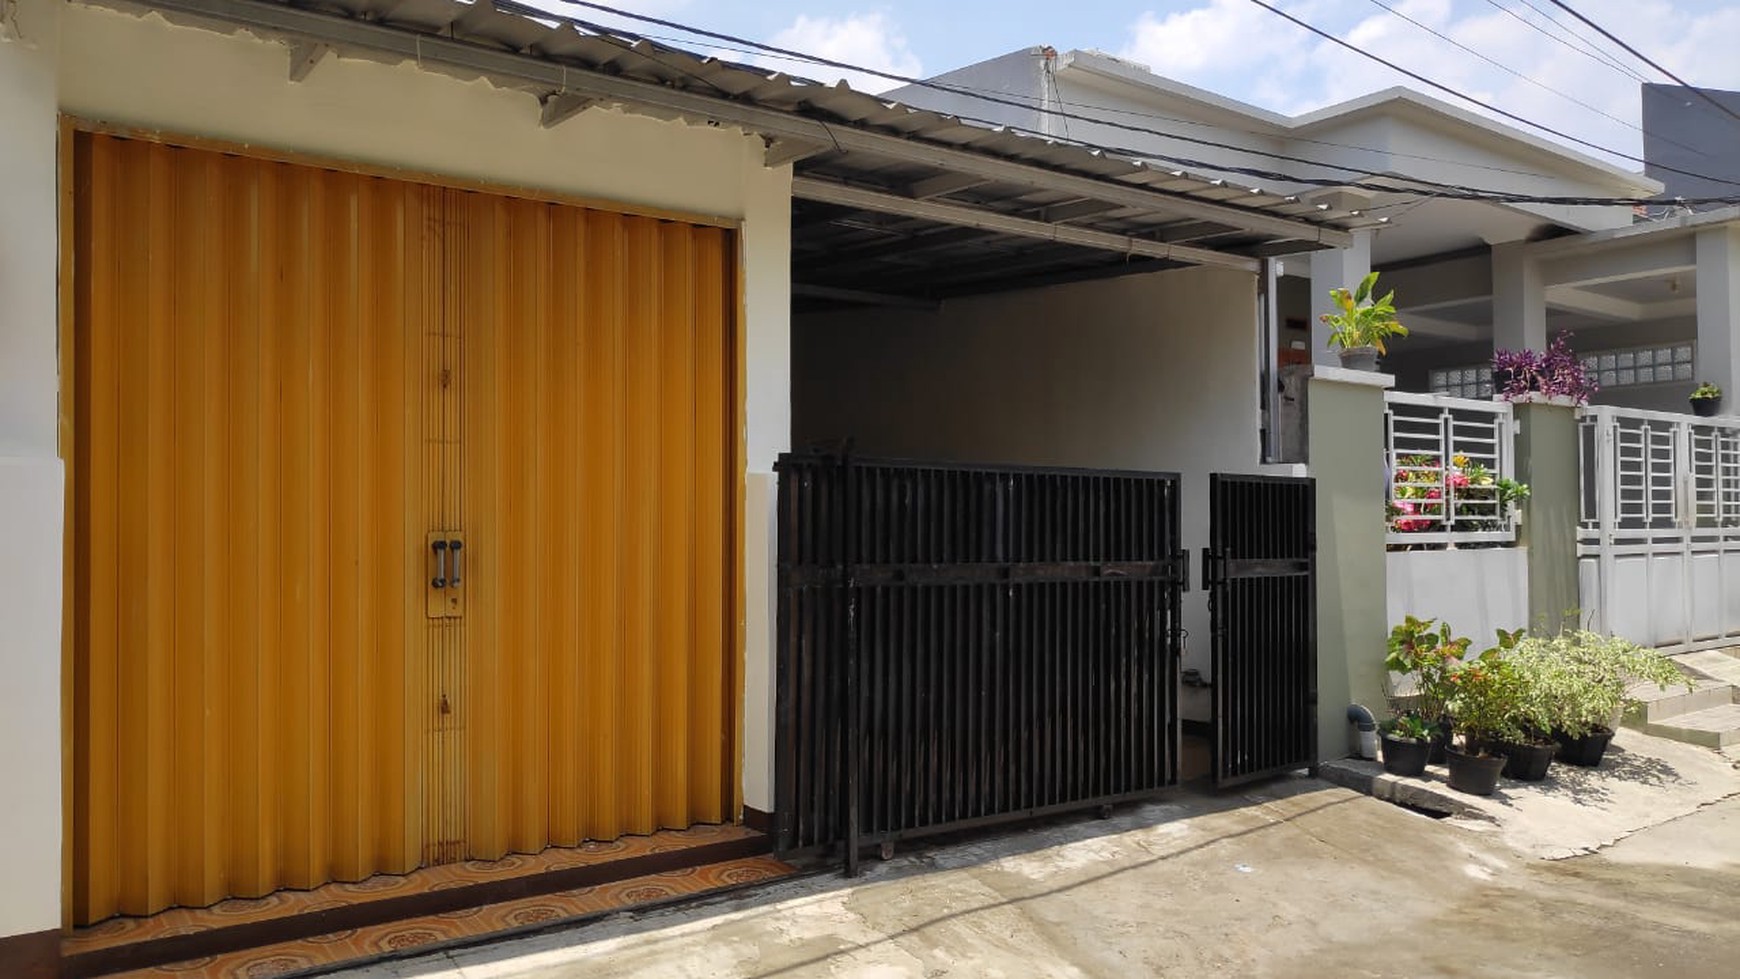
(1362, 323)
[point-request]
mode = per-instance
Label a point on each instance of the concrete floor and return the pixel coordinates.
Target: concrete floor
(1293, 878)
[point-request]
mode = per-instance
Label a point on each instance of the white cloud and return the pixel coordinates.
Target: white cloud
(868, 40)
(1237, 48)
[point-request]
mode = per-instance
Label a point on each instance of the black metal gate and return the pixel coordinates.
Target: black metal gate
(1261, 574)
(960, 645)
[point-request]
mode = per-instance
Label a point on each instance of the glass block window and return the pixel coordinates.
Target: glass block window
(1642, 365)
(1463, 382)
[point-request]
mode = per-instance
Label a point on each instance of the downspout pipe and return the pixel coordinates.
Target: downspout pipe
(1366, 725)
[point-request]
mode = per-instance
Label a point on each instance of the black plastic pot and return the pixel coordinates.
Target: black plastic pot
(1706, 407)
(1473, 774)
(1405, 757)
(1435, 750)
(1528, 762)
(1586, 751)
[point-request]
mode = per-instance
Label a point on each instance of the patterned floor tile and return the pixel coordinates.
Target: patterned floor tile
(400, 936)
(177, 921)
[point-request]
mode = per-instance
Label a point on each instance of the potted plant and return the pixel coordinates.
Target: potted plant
(1425, 650)
(1484, 701)
(1547, 684)
(1407, 743)
(1706, 400)
(1592, 693)
(1555, 373)
(1361, 324)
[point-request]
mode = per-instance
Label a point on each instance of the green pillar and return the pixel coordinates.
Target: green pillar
(1346, 433)
(1546, 459)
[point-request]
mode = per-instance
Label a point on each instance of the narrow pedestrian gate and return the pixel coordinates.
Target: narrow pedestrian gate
(963, 645)
(1260, 572)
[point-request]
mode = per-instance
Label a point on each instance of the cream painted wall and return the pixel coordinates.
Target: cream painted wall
(30, 478)
(1150, 372)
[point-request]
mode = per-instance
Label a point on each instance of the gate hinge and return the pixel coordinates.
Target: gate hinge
(1180, 569)
(1311, 541)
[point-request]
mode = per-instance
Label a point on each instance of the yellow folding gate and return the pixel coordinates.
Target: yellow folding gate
(401, 525)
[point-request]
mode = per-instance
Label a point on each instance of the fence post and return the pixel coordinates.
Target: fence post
(1546, 459)
(1346, 432)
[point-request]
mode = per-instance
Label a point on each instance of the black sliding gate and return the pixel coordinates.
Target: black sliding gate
(960, 645)
(1260, 572)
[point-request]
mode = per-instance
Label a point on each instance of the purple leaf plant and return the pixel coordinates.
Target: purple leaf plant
(1554, 372)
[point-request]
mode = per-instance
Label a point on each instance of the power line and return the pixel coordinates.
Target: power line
(1501, 66)
(1639, 55)
(1585, 49)
(1447, 190)
(1488, 106)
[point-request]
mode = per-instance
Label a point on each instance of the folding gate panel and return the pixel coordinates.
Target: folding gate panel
(1260, 572)
(961, 645)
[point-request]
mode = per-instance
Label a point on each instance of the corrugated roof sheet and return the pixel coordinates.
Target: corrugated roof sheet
(574, 43)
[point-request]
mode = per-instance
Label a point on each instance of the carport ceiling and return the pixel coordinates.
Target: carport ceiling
(892, 203)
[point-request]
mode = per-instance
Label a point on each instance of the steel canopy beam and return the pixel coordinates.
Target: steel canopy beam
(811, 189)
(432, 48)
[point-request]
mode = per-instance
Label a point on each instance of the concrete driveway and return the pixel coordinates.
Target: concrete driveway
(1294, 878)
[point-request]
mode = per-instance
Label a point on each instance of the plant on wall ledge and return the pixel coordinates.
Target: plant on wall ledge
(1361, 324)
(1706, 400)
(1553, 373)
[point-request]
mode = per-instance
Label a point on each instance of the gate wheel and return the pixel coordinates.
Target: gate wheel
(888, 850)
(1104, 812)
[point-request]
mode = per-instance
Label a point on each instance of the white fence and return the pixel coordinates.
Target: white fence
(1446, 457)
(1659, 531)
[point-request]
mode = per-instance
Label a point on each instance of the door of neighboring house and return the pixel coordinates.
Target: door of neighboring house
(401, 525)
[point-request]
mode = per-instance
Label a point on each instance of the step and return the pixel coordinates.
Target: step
(1657, 704)
(1717, 664)
(1717, 727)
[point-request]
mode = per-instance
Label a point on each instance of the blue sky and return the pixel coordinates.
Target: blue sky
(1238, 49)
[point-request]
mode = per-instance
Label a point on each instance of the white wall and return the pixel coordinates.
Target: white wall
(142, 72)
(30, 479)
(1154, 372)
(1478, 591)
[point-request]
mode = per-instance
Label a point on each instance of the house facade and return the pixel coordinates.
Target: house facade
(1470, 276)
(392, 397)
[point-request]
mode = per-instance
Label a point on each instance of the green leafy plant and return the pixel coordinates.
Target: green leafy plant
(1706, 390)
(1485, 697)
(1576, 681)
(1360, 320)
(1409, 726)
(1425, 649)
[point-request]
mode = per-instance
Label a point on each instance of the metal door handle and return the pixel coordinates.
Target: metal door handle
(454, 546)
(441, 564)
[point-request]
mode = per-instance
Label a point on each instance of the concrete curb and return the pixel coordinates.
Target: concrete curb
(1369, 777)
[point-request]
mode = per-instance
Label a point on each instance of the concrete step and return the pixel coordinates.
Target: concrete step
(1715, 664)
(1717, 727)
(1657, 704)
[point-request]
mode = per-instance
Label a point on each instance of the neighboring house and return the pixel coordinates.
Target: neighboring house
(1469, 276)
(386, 451)
(1684, 134)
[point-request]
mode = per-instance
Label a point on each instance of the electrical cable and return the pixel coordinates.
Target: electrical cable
(1501, 66)
(1488, 106)
(1639, 55)
(1452, 191)
(1586, 49)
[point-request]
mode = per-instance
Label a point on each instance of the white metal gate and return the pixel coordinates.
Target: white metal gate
(1659, 536)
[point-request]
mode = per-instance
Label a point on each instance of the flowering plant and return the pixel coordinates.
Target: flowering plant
(1480, 500)
(1555, 372)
